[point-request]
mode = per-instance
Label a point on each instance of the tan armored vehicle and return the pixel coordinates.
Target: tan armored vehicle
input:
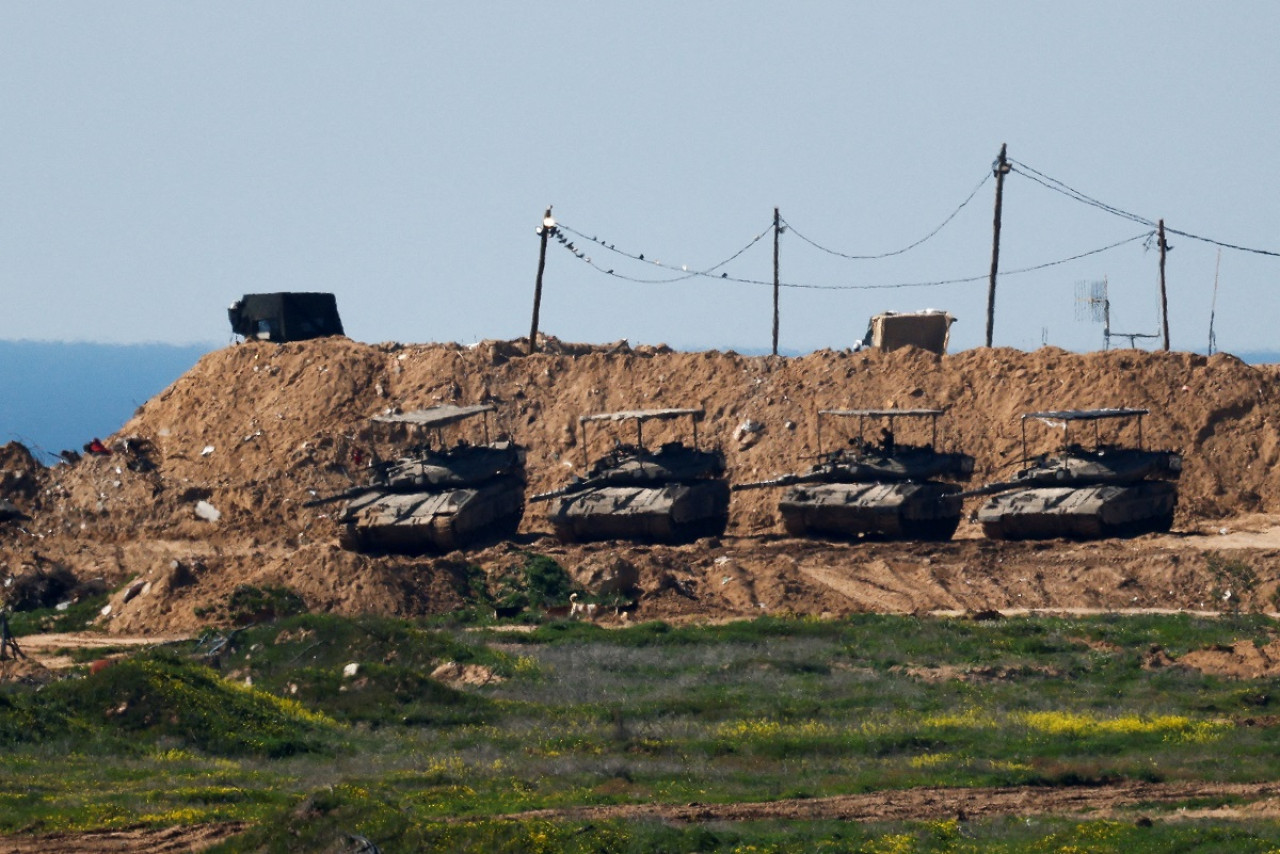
(1087, 493)
(929, 330)
(437, 497)
(881, 489)
(674, 494)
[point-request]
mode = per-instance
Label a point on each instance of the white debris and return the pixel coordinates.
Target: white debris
(746, 433)
(207, 511)
(208, 449)
(350, 670)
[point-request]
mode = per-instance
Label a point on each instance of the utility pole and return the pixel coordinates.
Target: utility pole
(1213, 306)
(545, 230)
(776, 221)
(1001, 168)
(8, 645)
(1164, 296)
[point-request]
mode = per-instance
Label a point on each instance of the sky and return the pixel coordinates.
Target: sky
(161, 159)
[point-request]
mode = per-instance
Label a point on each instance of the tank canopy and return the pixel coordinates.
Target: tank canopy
(1086, 414)
(438, 417)
(640, 416)
(643, 415)
(1064, 417)
(863, 414)
(435, 416)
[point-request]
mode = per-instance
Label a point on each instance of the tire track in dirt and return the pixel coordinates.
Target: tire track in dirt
(926, 804)
(874, 586)
(50, 649)
(162, 840)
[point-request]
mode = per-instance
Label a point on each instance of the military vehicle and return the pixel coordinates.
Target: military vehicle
(883, 489)
(674, 494)
(436, 497)
(929, 330)
(288, 316)
(1084, 493)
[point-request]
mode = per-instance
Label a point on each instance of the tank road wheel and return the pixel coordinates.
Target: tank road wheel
(1155, 525)
(350, 539)
(691, 531)
(930, 530)
(993, 531)
(564, 533)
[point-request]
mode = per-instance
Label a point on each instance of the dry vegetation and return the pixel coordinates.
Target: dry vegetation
(256, 430)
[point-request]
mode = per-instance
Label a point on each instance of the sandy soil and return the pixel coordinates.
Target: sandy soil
(255, 431)
(169, 840)
(931, 804)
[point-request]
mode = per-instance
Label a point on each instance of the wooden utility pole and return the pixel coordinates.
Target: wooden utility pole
(1001, 169)
(8, 645)
(545, 230)
(776, 221)
(1164, 296)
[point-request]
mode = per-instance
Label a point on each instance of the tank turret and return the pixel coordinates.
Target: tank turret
(1108, 490)
(676, 493)
(883, 488)
(436, 498)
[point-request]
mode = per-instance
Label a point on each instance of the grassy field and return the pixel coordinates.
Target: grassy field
(261, 724)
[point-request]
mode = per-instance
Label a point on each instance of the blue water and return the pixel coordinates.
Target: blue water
(57, 395)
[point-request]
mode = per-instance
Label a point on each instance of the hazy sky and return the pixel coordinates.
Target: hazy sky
(160, 159)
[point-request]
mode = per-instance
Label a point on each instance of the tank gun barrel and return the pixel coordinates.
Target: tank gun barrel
(344, 495)
(782, 480)
(568, 489)
(993, 488)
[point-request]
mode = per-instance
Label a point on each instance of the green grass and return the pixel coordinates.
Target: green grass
(77, 617)
(261, 724)
(1010, 836)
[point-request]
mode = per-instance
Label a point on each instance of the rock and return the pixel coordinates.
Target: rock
(132, 591)
(207, 511)
(458, 675)
(350, 670)
(747, 433)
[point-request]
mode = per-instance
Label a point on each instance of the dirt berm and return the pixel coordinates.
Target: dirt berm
(255, 430)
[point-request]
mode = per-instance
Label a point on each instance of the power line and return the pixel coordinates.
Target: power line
(1059, 187)
(725, 277)
(1220, 243)
(907, 248)
(684, 269)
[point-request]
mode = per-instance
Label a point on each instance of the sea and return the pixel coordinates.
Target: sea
(58, 395)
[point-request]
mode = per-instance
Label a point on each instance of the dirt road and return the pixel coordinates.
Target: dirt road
(930, 804)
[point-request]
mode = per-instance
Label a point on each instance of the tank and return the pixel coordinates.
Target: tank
(1107, 490)
(885, 489)
(437, 498)
(675, 494)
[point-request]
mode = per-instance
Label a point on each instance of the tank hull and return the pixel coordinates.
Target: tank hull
(436, 521)
(903, 510)
(1083, 512)
(666, 513)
